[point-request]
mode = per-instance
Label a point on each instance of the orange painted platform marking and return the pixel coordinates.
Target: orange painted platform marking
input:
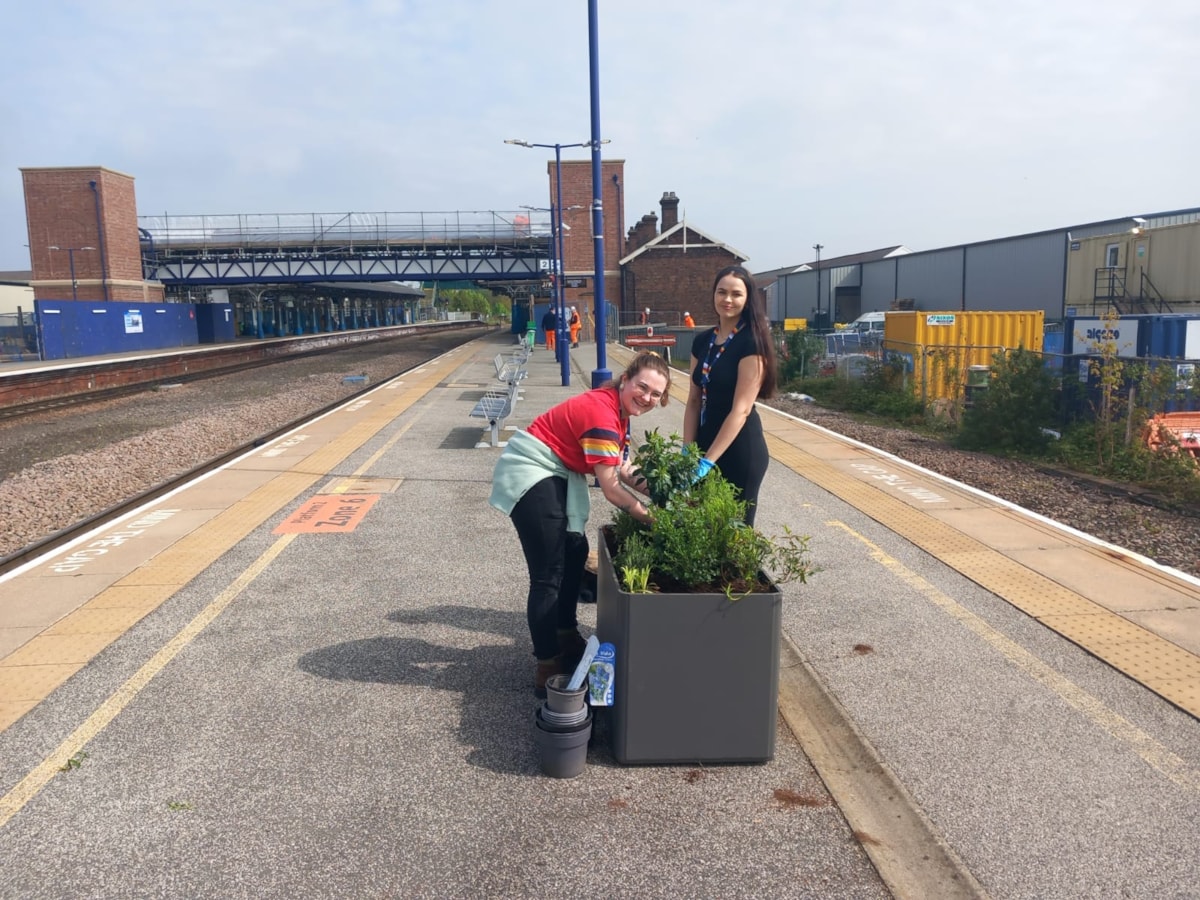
(329, 514)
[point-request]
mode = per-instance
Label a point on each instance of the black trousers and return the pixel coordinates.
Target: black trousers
(744, 464)
(555, 558)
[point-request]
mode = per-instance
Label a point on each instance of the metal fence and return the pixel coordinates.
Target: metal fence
(344, 229)
(18, 337)
(941, 374)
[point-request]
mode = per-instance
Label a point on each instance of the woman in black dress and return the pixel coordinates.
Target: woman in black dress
(733, 365)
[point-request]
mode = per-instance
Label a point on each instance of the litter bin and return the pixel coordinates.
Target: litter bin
(977, 382)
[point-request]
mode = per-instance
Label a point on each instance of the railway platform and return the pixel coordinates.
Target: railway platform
(308, 674)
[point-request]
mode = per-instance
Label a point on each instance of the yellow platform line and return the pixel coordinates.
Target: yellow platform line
(1165, 668)
(29, 786)
(1154, 753)
(37, 668)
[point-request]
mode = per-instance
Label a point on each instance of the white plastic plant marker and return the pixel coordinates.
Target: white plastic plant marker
(589, 653)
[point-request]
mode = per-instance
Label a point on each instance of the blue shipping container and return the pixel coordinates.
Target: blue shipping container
(1170, 337)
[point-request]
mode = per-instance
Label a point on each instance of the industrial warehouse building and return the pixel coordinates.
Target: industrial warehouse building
(1136, 264)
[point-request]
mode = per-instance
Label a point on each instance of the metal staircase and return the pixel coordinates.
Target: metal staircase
(1110, 292)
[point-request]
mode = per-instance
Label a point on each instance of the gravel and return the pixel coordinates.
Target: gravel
(64, 466)
(60, 467)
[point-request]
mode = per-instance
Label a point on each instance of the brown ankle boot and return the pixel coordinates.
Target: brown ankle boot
(546, 669)
(571, 645)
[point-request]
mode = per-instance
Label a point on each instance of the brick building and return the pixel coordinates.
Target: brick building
(579, 251)
(672, 272)
(83, 225)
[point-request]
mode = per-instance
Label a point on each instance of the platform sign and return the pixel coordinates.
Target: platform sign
(329, 514)
(650, 340)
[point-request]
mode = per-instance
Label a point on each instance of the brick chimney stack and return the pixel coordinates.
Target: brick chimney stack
(643, 232)
(670, 210)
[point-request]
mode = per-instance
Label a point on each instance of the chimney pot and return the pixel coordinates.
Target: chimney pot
(670, 210)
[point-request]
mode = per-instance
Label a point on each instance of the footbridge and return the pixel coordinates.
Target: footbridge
(304, 248)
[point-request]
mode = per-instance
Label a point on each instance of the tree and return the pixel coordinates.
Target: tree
(469, 300)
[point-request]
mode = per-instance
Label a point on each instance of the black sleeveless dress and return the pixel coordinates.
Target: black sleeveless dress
(745, 462)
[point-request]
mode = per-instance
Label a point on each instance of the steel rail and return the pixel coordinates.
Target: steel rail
(66, 535)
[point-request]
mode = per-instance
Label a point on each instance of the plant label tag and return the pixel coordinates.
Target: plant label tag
(601, 676)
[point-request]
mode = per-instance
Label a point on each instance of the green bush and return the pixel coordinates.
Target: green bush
(1024, 405)
(801, 354)
(1172, 475)
(882, 392)
(698, 540)
(1011, 415)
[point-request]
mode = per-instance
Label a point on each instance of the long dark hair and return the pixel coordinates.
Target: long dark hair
(755, 316)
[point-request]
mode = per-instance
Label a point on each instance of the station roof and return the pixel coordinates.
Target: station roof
(394, 288)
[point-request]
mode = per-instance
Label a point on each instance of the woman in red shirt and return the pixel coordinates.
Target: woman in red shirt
(540, 482)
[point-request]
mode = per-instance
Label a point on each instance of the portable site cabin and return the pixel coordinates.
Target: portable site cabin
(1138, 270)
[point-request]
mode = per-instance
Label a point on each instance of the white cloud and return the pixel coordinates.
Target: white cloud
(779, 125)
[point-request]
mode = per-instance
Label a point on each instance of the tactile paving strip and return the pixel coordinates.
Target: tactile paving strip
(1165, 668)
(37, 668)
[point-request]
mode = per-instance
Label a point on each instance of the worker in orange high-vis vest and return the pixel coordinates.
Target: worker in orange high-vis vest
(574, 323)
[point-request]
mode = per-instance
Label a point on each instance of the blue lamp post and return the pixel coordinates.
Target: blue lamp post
(561, 339)
(556, 274)
(600, 374)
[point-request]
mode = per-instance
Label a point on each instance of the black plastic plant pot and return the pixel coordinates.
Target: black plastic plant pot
(697, 675)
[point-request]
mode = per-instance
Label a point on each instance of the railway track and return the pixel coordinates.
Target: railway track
(28, 392)
(99, 395)
(68, 534)
(91, 461)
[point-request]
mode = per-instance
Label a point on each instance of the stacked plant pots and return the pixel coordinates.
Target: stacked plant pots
(563, 726)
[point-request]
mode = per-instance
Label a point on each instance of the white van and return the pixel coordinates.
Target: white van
(868, 323)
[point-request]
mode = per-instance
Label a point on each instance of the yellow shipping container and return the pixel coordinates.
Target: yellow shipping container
(795, 324)
(939, 348)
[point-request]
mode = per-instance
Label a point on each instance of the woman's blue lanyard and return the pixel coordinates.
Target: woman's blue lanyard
(709, 363)
(628, 435)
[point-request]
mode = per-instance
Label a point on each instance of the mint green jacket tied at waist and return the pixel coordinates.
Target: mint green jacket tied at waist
(525, 462)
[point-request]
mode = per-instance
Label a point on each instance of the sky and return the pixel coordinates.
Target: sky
(855, 124)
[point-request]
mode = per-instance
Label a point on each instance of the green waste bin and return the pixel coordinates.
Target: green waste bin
(977, 382)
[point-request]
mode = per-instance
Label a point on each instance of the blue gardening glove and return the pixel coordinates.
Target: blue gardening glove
(702, 468)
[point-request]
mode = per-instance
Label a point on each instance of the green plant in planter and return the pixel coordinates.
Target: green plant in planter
(666, 466)
(699, 541)
(635, 581)
(636, 565)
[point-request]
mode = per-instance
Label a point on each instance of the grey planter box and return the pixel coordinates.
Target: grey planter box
(697, 675)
